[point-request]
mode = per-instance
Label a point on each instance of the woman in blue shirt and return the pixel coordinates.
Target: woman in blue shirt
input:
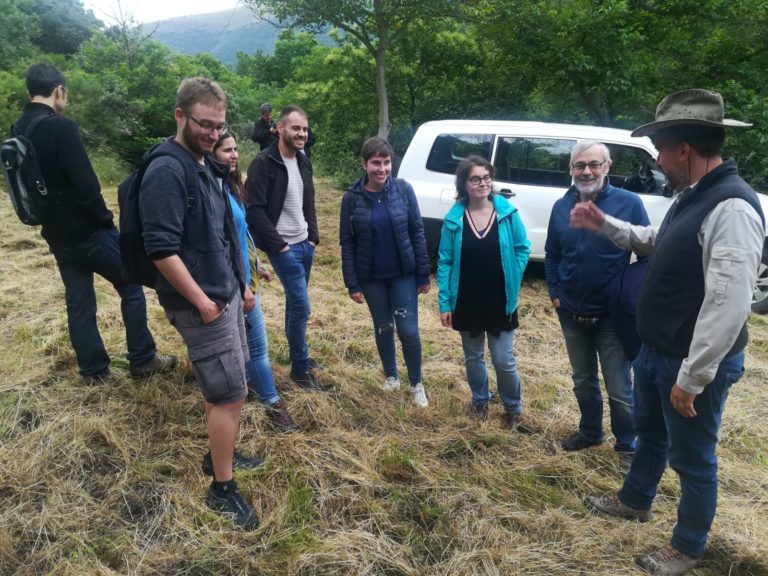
(261, 382)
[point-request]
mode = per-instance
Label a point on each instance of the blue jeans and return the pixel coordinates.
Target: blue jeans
(395, 304)
(293, 268)
(258, 370)
(503, 358)
(687, 443)
(586, 342)
(100, 254)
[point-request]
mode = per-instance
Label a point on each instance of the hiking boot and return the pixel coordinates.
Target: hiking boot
(315, 365)
(419, 395)
(279, 418)
(159, 363)
(228, 501)
(479, 412)
(576, 441)
(239, 462)
(306, 381)
(391, 383)
(667, 561)
(611, 505)
(102, 377)
(516, 422)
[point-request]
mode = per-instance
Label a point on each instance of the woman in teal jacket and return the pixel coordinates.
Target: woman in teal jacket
(483, 252)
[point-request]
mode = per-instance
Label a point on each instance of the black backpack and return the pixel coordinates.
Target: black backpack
(30, 197)
(138, 268)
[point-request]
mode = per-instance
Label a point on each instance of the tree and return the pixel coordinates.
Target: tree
(16, 28)
(64, 24)
(373, 23)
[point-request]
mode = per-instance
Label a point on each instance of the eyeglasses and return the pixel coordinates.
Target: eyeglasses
(476, 180)
(207, 127)
(581, 166)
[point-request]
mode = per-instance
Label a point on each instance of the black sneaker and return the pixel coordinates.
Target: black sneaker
(306, 380)
(239, 462)
(228, 501)
(279, 418)
(576, 441)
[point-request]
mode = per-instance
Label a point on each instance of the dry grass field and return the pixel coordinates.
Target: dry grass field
(106, 480)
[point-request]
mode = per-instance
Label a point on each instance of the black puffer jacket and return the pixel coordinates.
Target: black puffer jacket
(355, 232)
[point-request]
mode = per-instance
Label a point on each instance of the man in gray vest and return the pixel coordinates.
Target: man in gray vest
(691, 317)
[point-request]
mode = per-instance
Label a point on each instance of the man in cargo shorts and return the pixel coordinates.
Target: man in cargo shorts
(189, 233)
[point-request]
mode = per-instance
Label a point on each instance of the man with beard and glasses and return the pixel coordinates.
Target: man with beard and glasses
(282, 220)
(189, 233)
(691, 318)
(579, 266)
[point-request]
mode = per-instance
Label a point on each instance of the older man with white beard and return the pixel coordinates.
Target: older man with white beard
(579, 266)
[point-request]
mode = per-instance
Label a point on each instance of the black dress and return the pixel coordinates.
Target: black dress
(482, 300)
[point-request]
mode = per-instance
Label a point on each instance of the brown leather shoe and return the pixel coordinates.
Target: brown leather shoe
(611, 505)
(667, 561)
(158, 363)
(279, 418)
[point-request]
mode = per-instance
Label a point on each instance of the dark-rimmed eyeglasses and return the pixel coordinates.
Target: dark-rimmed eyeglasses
(208, 127)
(477, 180)
(581, 166)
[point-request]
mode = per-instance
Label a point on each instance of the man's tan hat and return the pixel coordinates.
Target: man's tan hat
(692, 107)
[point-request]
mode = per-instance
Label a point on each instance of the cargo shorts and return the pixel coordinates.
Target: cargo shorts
(217, 351)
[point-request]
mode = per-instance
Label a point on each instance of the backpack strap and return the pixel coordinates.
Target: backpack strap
(36, 121)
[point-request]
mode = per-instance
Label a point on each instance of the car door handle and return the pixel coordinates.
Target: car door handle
(506, 192)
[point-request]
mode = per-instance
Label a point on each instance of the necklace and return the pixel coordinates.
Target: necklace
(481, 232)
(376, 195)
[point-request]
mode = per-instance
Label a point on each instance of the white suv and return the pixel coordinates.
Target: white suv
(531, 161)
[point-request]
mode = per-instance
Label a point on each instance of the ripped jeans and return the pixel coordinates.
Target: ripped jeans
(394, 304)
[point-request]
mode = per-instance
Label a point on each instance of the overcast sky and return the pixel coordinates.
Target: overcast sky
(151, 10)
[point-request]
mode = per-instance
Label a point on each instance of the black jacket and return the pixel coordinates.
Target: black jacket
(262, 134)
(266, 190)
(80, 208)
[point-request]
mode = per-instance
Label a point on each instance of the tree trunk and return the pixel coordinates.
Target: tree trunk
(381, 80)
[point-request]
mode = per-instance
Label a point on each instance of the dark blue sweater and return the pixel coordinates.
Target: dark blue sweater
(188, 222)
(579, 264)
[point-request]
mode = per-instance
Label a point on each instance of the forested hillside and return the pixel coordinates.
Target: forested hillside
(577, 61)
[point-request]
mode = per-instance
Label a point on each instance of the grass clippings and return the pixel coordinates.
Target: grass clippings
(106, 480)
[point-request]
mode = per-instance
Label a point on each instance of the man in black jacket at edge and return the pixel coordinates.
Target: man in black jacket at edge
(81, 234)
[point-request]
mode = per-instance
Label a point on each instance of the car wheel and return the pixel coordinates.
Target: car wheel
(760, 293)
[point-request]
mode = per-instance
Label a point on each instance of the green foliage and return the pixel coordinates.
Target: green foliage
(608, 63)
(16, 29)
(64, 24)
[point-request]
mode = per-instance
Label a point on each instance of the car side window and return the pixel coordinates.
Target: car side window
(533, 161)
(450, 149)
(634, 168)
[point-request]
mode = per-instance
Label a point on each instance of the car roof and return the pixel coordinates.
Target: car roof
(545, 129)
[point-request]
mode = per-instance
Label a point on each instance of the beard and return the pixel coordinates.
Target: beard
(291, 143)
(589, 188)
(192, 142)
(677, 180)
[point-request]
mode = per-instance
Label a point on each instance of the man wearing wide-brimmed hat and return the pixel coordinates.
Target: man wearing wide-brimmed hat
(691, 317)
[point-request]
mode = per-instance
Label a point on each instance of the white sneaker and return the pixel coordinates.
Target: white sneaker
(391, 383)
(419, 395)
